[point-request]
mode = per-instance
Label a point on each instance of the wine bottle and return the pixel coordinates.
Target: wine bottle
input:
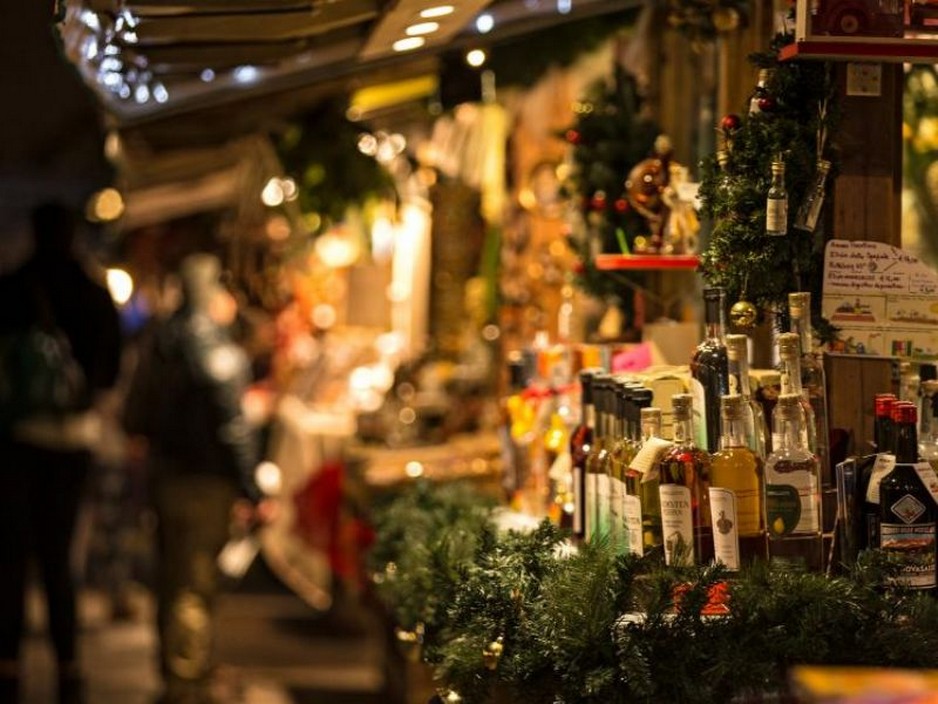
(776, 203)
(684, 491)
(630, 510)
(736, 493)
(793, 495)
(813, 378)
(737, 354)
(650, 419)
(595, 457)
(907, 510)
(581, 441)
(613, 467)
(873, 468)
(709, 372)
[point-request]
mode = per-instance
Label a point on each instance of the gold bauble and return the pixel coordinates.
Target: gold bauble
(726, 19)
(493, 653)
(743, 314)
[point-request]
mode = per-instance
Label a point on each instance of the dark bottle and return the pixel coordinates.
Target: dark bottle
(597, 483)
(907, 510)
(580, 444)
(873, 468)
(710, 372)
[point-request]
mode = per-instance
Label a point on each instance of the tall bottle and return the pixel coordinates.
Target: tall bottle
(789, 354)
(770, 388)
(907, 510)
(559, 466)
(928, 437)
(813, 378)
(581, 441)
(737, 494)
(793, 495)
(709, 371)
(684, 491)
(874, 467)
(737, 354)
(635, 397)
(613, 467)
(650, 419)
(594, 460)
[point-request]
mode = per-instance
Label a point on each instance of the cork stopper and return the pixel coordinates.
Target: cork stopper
(930, 387)
(789, 407)
(789, 344)
(737, 346)
(798, 303)
(778, 168)
(650, 415)
(731, 407)
(682, 405)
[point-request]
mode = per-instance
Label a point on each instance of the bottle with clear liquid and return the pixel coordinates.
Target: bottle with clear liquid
(810, 211)
(776, 202)
(907, 510)
(737, 354)
(928, 436)
(813, 378)
(793, 495)
(613, 467)
(710, 372)
(594, 460)
(770, 388)
(684, 492)
(737, 494)
(581, 441)
(789, 366)
(650, 419)
(635, 397)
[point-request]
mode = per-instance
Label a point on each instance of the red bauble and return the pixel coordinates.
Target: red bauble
(731, 122)
(766, 103)
(621, 205)
(598, 201)
(573, 136)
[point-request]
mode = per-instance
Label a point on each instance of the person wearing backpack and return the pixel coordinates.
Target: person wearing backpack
(60, 349)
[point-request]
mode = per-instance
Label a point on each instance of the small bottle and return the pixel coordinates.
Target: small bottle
(581, 441)
(684, 491)
(813, 378)
(761, 92)
(737, 352)
(908, 511)
(793, 495)
(810, 210)
(737, 494)
(776, 204)
(710, 372)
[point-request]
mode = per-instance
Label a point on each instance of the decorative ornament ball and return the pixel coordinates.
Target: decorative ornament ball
(598, 201)
(766, 103)
(493, 653)
(743, 314)
(726, 19)
(730, 122)
(621, 205)
(573, 136)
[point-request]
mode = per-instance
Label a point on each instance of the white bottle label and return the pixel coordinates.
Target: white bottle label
(677, 524)
(883, 466)
(578, 504)
(929, 479)
(725, 531)
(632, 517)
(776, 216)
(699, 410)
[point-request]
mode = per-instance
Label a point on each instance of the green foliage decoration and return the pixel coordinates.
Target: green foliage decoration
(592, 626)
(740, 257)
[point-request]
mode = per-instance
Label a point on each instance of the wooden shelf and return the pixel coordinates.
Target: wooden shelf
(880, 49)
(647, 262)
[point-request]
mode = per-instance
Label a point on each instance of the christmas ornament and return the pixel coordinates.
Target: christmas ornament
(621, 205)
(767, 103)
(730, 122)
(743, 314)
(726, 19)
(493, 653)
(598, 201)
(573, 136)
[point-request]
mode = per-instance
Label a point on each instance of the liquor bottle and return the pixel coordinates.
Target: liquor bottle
(634, 397)
(515, 430)
(928, 438)
(581, 441)
(813, 378)
(559, 466)
(789, 353)
(776, 203)
(761, 93)
(908, 382)
(613, 466)
(736, 493)
(767, 393)
(594, 460)
(907, 510)
(873, 468)
(810, 210)
(737, 354)
(650, 419)
(709, 372)
(684, 491)
(793, 495)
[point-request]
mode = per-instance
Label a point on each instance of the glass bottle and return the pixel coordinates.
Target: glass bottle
(810, 210)
(684, 492)
(517, 425)
(874, 468)
(736, 493)
(761, 91)
(793, 495)
(928, 439)
(581, 441)
(620, 443)
(636, 397)
(737, 354)
(789, 354)
(776, 203)
(770, 387)
(907, 510)
(650, 419)
(709, 371)
(594, 460)
(559, 466)
(813, 379)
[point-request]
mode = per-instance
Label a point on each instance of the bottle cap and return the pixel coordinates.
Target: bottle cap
(731, 406)
(798, 303)
(778, 168)
(882, 405)
(764, 74)
(789, 406)
(904, 412)
(650, 414)
(642, 397)
(682, 406)
(586, 382)
(789, 343)
(737, 346)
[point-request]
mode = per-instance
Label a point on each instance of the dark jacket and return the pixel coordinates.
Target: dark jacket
(185, 398)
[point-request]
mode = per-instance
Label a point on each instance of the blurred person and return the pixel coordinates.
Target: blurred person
(61, 351)
(186, 402)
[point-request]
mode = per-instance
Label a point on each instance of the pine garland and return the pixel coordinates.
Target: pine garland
(740, 257)
(599, 627)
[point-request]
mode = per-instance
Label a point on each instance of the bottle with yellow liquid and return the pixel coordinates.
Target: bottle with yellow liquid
(627, 494)
(559, 470)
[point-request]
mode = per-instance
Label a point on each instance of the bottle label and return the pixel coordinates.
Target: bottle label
(699, 410)
(792, 507)
(632, 520)
(578, 497)
(616, 490)
(725, 530)
(646, 460)
(910, 546)
(776, 216)
(883, 466)
(677, 524)
(602, 505)
(589, 517)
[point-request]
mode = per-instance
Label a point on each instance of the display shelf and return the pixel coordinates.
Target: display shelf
(882, 49)
(646, 262)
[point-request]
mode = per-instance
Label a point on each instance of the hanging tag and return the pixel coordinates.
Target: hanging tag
(884, 465)
(646, 461)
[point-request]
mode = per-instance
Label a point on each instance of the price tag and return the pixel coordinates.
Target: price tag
(646, 461)
(883, 466)
(927, 474)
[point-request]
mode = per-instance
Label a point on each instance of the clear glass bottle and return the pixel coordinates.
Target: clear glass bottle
(684, 492)
(793, 495)
(928, 436)
(770, 388)
(761, 91)
(650, 419)
(559, 466)
(737, 354)
(810, 210)
(581, 441)
(776, 202)
(813, 379)
(907, 510)
(709, 371)
(789, 366)
(596, 487)
(737, 493)
(630, 510)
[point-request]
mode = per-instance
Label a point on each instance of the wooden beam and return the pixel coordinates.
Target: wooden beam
(168, 8)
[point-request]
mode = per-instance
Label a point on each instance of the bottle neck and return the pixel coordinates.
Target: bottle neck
(790, 435)
(738, 368)
(734, 433)
(715, 321)
(589, 415)
(906, 443)
(684, 431)
(791, 374)
(651, 429)
(802, 326)
(882, 434)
